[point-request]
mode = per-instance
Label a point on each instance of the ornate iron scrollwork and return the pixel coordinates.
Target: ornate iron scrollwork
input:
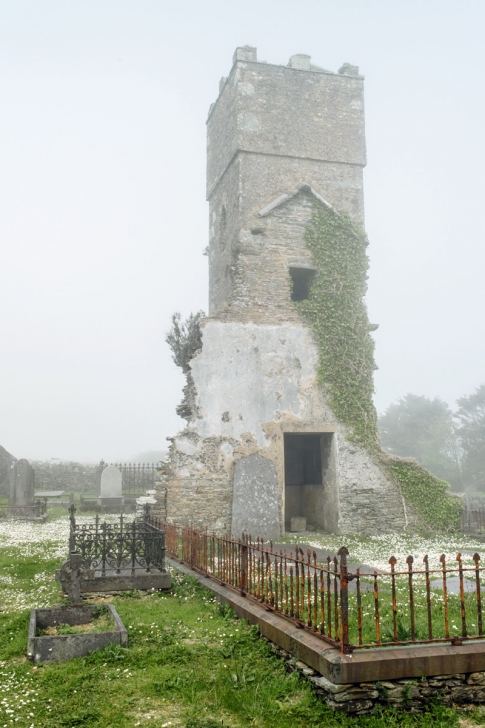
(118, 546)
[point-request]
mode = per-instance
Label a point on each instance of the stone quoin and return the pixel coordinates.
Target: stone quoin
(262, 445)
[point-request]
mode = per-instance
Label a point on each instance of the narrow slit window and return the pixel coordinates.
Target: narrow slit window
(222, 229)
(301, 278)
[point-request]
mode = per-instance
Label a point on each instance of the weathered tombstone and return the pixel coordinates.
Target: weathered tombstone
(22, 484)
(71, 573)
(255, 505)
(110, 491)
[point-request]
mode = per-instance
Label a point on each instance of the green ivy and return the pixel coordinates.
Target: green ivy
(337, 315)
(428, 496)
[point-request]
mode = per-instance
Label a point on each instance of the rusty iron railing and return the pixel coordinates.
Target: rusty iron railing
(293, 585)
(349, 610)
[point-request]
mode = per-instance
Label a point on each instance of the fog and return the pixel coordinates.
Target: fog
(103, 218)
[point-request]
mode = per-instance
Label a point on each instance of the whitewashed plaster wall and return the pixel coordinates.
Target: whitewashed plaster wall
(251, 384)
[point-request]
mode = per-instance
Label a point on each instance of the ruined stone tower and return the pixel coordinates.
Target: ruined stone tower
(262, 444)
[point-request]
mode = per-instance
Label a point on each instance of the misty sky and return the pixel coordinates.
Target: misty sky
(103, 218)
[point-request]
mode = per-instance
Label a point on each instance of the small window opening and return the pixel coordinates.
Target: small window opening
(222, 228)
(301, 277)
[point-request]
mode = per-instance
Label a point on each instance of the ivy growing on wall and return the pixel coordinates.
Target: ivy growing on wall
(337, 314)
(427, 494)
(336, 311)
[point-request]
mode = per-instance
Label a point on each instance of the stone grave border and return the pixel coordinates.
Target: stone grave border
(53, 648)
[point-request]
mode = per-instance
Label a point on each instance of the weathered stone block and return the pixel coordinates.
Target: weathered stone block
(300, 61)
(324, 684)
(355, 693)
(255, 499)
(476, 678)
(352, 706)
(463, 694)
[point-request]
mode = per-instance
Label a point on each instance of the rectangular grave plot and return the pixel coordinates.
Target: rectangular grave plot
(61, 647)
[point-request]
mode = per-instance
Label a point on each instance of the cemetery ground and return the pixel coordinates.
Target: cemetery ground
(189, 663)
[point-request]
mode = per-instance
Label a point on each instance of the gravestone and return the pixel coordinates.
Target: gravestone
(111, 487)
(72, 571)
(255, 508)
(22, 484)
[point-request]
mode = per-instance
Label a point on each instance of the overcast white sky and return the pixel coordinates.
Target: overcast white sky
(103, 217)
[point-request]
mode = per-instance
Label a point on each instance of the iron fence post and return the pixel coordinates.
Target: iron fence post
(72, 528)
(345, 647)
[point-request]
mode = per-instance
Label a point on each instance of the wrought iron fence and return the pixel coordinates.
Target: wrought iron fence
(132, 545)
(137, 478)
(350, 610)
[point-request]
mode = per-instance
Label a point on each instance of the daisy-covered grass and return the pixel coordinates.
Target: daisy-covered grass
(189, 663)
(375, 551)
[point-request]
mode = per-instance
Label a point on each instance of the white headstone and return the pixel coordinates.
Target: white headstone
(110, 482)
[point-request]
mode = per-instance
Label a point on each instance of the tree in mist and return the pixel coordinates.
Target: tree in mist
(185, 338)
(424, 429)
(471, 430)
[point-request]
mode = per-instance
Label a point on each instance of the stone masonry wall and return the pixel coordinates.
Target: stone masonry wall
(283, 111)
(64, 475)
(271, 129)
(460, 690)
(266, 387)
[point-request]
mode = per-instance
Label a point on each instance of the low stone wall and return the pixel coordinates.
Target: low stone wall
(64, 475)
(458, 690)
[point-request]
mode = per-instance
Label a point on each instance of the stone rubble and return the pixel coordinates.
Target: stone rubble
(460, 691)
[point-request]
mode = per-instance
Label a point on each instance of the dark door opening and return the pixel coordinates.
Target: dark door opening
(309, 478)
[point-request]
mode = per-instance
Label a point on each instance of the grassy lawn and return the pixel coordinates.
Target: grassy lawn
(189, 664)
